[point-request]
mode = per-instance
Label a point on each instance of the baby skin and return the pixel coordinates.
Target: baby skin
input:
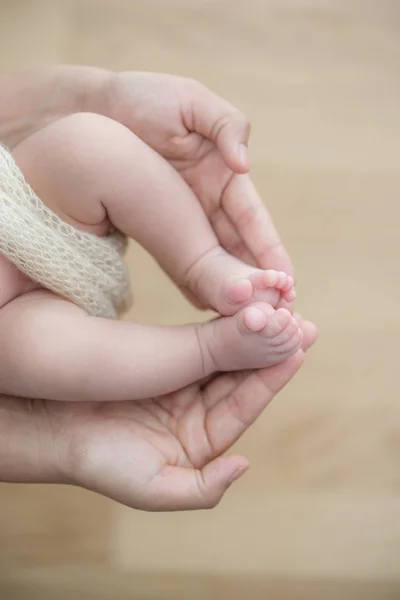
(95, 174)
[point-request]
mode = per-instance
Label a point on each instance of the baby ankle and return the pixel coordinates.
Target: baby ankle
(206, 339)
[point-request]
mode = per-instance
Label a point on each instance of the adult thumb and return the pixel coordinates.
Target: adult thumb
(205, 113)
(179, 488)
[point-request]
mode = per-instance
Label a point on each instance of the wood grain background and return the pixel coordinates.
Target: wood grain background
(320, 507)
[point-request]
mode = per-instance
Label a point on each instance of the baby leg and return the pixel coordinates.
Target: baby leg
(51, 349)
(94, 172)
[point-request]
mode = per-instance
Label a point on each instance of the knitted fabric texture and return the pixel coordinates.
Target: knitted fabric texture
(84, 268)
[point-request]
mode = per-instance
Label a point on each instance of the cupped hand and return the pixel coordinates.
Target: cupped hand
(205, 139)
(167, 453)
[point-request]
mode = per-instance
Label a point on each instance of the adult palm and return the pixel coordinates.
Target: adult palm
(167, 453)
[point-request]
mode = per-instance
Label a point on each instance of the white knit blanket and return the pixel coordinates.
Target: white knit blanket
(82, 267)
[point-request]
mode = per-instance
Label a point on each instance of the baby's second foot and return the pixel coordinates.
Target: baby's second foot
(257, 337)
(226, 284)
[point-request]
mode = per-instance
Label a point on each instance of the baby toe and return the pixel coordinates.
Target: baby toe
(254, 319)
(239, 291)
(276, 322)
(291, 345)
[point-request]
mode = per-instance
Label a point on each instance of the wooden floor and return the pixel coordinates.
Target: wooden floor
(97, 584)
(318, 515)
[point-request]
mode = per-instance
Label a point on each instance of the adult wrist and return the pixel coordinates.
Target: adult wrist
(30, 451)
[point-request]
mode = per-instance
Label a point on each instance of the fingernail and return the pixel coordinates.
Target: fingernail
(236, 474)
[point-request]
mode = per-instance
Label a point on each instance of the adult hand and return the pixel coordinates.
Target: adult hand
(200, 134)
(157, 455)
(205, 139)
(161, 454)
(165, 453)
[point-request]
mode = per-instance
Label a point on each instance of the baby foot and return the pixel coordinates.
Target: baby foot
(257, 337)
(226, 284)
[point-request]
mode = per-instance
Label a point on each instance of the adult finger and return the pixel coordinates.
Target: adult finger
(235, 412)
(229, 237)
(254, 224)
(310, 332)
(204, 112)
(179, 488)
